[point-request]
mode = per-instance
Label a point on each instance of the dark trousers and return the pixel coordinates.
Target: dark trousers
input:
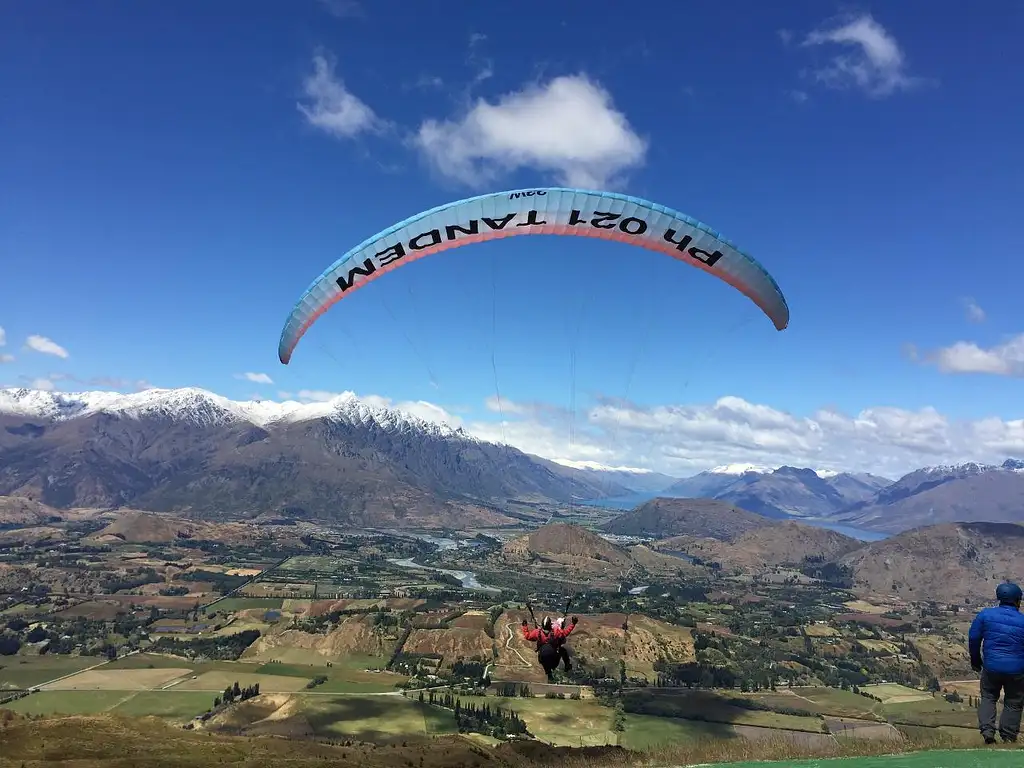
(1012, 687)
(563, 655)
(548, 656)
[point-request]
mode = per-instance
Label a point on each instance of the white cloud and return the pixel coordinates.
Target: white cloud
(46, 346)
(6, 358)
(872, 60)
(975, 314)
(45, 385)
(798, 96)
(682, 439)
(255, 378)
(568, 127)
(332, 107)
(1006, 359)
(3, 337)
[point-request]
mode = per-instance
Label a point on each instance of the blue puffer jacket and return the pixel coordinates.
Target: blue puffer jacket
(1001, 630)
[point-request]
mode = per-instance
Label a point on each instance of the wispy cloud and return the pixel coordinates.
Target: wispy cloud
(568, 127)
(975, 314)
(482, 65)
(46, 385)
(5, 358)
(3, 337)
(117, 383)
(332, 108)
(255, 378)
(871, 60)
(342, 9)
(798, 96)
(46, 346)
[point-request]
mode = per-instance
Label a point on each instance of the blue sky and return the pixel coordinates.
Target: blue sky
(174, 176)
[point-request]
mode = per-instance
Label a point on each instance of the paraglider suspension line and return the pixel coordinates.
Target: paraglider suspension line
(494, 342)
(408, 338)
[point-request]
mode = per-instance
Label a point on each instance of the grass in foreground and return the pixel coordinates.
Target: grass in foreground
(97, 742)
(377, 719)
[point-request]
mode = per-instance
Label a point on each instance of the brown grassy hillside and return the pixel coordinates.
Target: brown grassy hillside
(951, 562)
(782, 543)
(686, 517)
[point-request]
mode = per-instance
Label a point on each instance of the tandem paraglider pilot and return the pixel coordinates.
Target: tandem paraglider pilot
(996, 644)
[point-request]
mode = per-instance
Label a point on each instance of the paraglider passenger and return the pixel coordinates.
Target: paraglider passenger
(996, 645)
(550, 641)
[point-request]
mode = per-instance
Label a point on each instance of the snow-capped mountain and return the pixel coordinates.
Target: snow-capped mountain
(969, 492)
(192, 449)
(203, 408)
(782, 492)
(629, 480)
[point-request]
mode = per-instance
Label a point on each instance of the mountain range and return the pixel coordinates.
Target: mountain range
(191, 451)
(781, 493)
(195, 452)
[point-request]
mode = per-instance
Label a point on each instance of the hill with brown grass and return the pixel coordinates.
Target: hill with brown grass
(138, 527)
(17, 510)
(599, 640)
(662, 518)
(782, 543)
(561, 542)
(953, 562)
(353, 635)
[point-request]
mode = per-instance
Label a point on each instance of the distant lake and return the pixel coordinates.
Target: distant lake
(621, 502)
(846, 530)
(636, 499)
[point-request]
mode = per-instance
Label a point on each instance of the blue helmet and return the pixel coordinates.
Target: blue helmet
(1008, 592)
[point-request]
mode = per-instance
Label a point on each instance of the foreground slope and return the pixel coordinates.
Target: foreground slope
(191, 450)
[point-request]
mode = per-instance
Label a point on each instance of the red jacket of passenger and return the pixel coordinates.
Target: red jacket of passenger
(554, 636)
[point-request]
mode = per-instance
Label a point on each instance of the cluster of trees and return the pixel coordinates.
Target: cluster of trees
(318, 680)
(512, 690)
(177, 591)
(479, 718)
(235, 693)
(65, 635)
(226, 648)
(222, 583)
(469, 670)
(832, 574)
(131, 580)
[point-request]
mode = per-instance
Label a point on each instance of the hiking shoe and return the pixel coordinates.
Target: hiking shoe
(990, 739)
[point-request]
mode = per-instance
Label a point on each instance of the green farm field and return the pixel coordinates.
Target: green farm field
(21, 672)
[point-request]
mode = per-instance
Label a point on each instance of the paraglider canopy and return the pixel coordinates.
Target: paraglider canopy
(549, 211)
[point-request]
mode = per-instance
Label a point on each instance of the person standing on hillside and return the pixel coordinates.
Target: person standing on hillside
(996, 645)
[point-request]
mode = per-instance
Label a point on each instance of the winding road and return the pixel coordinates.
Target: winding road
(508, 647)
